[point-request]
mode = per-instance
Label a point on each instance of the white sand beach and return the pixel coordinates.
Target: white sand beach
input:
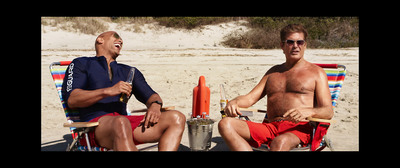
(172, 60)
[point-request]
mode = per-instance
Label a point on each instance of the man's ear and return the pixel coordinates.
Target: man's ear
(100, 40)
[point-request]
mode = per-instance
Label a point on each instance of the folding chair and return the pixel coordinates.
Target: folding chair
(78, 128)
(336, 74)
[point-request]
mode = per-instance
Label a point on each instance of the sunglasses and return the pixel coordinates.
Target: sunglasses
(291, 42)
(116, 36)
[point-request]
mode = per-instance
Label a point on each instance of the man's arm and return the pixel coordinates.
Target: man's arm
(153, 110)
(323, 108)
(154, 97)
(80, 98)
(244, 101)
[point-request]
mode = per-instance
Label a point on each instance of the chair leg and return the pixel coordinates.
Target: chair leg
(73, 144)
(328, 143)
(88, 142)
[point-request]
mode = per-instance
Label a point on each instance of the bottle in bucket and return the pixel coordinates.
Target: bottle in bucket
(124, 98)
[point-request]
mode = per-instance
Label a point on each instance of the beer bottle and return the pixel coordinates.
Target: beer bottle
(124, 98)
(223, 101)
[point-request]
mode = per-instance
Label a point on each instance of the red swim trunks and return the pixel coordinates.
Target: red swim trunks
(264, 133)
(135, 121)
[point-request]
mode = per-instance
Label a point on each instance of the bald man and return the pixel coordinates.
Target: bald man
(93, 85)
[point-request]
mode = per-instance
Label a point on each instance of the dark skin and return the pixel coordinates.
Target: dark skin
(115, 132)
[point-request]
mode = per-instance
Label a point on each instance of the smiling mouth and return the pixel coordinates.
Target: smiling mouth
(118, 46)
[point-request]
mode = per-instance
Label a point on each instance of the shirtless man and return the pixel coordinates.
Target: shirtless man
(93, 85)
(295, 90)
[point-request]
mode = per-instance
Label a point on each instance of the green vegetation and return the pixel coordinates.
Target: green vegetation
(192, 22)
(85, 25)
(323, 32)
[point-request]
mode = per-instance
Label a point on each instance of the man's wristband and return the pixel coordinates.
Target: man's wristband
(158, 102)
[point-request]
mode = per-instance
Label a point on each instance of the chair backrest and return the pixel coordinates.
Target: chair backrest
(57, 70)
(336, 74)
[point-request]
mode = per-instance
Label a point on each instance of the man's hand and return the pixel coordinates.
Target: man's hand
(298, 114)
(80, 98)
(152, 116)
(232, 109)
(120, 87)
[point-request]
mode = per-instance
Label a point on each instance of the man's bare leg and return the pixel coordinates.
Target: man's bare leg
(236, 133)
(168, 131)
(115, 132)
(284, 142)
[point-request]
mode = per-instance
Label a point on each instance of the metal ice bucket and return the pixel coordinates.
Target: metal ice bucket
(200, 134)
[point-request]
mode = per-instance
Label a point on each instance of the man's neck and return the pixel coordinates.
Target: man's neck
(109, 59)
(291, 63)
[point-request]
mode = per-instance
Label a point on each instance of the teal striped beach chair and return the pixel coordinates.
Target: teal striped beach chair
(336, 74)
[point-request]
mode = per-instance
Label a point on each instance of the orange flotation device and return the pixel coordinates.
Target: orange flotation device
(201, 98)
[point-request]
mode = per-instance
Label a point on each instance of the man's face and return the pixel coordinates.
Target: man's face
(113, 42)
(294, 46)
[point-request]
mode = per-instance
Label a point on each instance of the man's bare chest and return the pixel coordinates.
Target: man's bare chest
(298, 83)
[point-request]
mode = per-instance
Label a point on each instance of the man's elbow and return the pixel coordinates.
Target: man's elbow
(71, 100)
(330, 113)
(71, 104)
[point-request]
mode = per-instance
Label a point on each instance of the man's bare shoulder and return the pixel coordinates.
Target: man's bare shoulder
(275, 68)
(317, 70)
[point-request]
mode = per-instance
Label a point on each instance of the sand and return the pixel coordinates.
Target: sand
(172, 61)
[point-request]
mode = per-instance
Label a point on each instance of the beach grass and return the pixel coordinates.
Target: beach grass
(324, 32)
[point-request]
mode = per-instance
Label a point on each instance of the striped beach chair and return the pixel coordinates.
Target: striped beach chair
(77, 128)
(336, 74)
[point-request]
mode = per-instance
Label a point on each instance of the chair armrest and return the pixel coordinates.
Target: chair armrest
(249, 112)
(168, 108)
(81, 124)
(162, 109)
(320, 120)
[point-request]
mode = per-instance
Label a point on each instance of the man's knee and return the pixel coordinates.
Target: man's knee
(279, 141)
(121, 126)
(285, 142)
(225, 124)
(176, 118)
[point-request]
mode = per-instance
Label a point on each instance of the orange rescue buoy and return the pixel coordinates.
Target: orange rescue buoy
(201, 98)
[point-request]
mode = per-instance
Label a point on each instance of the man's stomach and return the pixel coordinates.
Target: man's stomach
(279, 104)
